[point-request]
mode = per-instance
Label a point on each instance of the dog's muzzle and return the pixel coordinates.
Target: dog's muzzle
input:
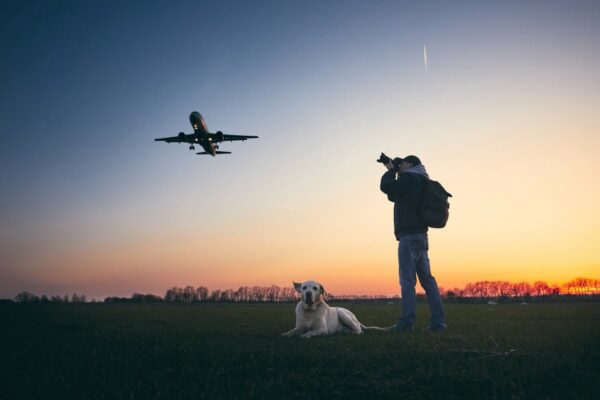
(308, 298)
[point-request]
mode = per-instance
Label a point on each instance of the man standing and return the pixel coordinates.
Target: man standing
(413, 244)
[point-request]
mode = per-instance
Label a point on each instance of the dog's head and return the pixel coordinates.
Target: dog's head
(311, 292)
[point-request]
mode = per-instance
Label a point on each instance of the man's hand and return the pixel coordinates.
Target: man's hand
(389, 165)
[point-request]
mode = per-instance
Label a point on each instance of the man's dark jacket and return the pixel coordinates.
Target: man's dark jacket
(405, 192)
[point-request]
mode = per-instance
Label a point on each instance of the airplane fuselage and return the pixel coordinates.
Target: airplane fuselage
(206, 142)
(198, 122)
(201, 130)
(209, 146)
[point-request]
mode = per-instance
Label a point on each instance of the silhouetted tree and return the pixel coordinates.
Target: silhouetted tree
(26, 297)
(202, 293)
(77, 298)
(226, 295)
(174, 294)
(215, 295)
(582, 286)
(243, 293)
(541, 288)
(290, 294)
(190, 295)
(260, 293)
(273, 293)
(56, 299)
(145, 298)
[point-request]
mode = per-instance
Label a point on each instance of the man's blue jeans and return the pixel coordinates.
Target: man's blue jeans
(414, 261)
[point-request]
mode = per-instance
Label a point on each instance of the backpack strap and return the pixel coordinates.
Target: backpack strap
(425, 183)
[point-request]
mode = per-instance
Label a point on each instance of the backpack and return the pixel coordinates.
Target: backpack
(433, 207)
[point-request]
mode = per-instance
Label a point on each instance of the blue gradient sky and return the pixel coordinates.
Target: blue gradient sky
(506, 116)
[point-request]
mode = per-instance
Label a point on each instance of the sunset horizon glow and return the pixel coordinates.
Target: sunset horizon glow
(499, 101)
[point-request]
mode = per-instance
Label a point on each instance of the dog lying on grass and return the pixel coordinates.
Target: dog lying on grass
(314, 317)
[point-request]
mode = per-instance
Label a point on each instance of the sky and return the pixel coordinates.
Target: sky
(500, 101)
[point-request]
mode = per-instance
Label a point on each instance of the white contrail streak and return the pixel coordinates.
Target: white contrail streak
(425, 58)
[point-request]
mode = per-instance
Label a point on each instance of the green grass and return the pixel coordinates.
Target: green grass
(143, 351)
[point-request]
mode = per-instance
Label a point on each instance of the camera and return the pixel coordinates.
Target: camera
(396, 162)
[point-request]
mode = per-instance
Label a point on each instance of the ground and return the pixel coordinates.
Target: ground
(145, 351)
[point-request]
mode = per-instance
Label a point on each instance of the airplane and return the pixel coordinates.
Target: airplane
(203, 137)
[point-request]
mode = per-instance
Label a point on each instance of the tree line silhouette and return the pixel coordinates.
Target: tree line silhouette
(498, 290)
(26, 297)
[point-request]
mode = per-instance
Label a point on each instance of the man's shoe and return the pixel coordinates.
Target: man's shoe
(436, 328)
(401, 326)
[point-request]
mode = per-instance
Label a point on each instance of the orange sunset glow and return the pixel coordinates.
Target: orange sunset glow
(504, 114)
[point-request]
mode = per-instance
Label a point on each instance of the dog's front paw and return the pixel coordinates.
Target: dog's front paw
(287, 334)
(306, 336)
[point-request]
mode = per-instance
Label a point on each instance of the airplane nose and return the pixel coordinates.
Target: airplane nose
(194, 118)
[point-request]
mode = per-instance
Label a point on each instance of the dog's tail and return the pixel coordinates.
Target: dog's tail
(373, 328)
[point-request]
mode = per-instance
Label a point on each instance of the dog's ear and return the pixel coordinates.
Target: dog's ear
(322, 290)
(297, 286)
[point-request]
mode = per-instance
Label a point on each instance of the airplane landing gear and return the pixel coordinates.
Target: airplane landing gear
(192, 147)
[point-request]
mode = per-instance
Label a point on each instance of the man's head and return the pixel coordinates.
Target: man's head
(409, 162)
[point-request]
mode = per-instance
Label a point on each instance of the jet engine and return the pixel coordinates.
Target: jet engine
(181, 135)
(220, 136)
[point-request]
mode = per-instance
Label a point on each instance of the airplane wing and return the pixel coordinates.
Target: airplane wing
(230, 138)
(181, 138)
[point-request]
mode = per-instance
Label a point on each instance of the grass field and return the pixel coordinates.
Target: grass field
(144, 351)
